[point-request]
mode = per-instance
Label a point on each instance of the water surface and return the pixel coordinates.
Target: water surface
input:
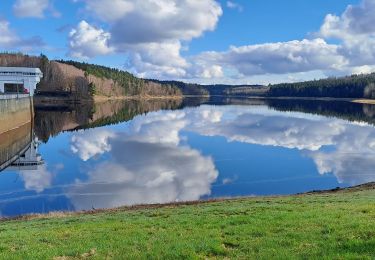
(126, 153)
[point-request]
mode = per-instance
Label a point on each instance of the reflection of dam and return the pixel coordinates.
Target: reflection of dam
(17, 146)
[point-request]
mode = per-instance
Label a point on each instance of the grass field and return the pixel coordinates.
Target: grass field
(334, 225)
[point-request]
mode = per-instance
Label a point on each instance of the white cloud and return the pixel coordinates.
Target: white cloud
(89, 144)
(110, 12)
(86, 41)
(165, 20)
(163, 29)
(37, 180)
(355, 28)
(354, 53)
(234, 5)
(150, 32)
(278, 58)
(33, 8)
(152, 60)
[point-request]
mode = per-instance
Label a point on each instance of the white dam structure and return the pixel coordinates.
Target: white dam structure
(19, 80)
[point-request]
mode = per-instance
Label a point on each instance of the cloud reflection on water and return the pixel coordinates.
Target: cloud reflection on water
(149, 163)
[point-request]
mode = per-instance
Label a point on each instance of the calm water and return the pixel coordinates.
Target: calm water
(126, 153)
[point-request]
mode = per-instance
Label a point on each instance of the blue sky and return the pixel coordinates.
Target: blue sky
(210, 41)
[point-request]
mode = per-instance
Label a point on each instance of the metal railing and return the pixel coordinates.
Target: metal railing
(13, 96)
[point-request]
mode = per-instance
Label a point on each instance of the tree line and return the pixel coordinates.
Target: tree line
(354, 86)
(130, 84)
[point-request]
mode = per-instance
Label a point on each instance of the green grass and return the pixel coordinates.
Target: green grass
(337, 225)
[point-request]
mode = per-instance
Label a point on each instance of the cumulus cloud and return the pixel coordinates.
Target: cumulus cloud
(33, 8)
(155, 59)
(150, 32)
(165, 20)
(355, 27)
(154, 43)
(353, 53)
(278, 58)
(110, 12)
(355, 21)
(86, 41)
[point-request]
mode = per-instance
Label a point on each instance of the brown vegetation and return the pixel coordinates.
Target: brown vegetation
(61, 79)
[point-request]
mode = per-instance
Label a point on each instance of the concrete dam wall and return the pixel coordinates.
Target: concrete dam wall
(15, 112)
(16, 125)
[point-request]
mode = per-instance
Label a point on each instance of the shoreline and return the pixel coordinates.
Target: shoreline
(63, 214)
(100, 99)
(352, 100)
(330, 224)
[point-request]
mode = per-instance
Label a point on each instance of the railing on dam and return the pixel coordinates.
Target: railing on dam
(13, 96)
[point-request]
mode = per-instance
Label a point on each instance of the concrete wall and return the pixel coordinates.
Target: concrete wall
(15, 112)
(16, 123)
(13, 143)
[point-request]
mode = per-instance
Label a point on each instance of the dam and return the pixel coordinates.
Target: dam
(19, 80)
(18, 147)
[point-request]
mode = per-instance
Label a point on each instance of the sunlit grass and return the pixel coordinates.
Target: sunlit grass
(335, 225)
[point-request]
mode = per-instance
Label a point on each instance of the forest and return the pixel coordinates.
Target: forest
(84, 80)
(355, 86)
(130, 84)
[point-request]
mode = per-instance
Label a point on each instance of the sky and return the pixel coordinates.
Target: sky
(203, 41)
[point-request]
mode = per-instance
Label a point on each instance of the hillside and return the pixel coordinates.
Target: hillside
(83, 81)
(106, 81)
(80, 80)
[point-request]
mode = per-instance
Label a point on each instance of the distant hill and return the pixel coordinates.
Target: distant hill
(83, 81)
(216, 89)
(355, 86)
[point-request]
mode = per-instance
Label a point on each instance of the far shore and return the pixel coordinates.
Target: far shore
(101, 99)
(360, 101)
(109, 98)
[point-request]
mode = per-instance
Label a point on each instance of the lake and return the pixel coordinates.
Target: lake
(83, 157)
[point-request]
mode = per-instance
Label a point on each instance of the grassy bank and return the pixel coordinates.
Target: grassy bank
(332, 225)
